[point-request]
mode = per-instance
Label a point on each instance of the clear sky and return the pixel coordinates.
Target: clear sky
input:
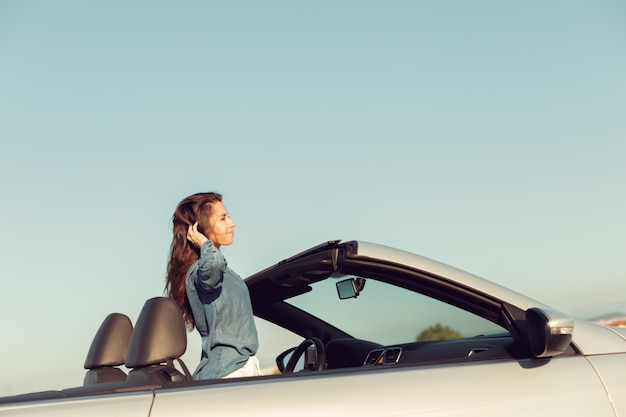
(485, 134)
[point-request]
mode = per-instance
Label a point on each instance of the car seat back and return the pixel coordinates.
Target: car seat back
(108, 350)
(157, 343)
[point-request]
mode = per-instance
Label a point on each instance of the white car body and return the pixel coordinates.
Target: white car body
(584, 377)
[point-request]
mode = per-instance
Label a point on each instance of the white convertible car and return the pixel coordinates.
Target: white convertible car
(384, 333)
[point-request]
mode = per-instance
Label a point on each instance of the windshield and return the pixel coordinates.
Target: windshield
(387, 314)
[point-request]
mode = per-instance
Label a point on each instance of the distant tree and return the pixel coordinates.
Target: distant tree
(438, 332)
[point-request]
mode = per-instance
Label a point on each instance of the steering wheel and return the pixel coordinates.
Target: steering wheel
(320, 355)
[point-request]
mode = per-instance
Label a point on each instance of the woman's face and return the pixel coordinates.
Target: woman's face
(221, 226)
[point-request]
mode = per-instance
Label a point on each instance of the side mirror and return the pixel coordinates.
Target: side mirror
(350, 288)
(549, 332)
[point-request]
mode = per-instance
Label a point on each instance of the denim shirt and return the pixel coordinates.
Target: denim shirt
(222, 310)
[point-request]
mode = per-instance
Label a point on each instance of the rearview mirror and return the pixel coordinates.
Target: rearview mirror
(350, 288)
(549, 332)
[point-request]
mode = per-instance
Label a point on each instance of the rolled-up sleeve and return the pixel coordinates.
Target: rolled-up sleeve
(211, 267)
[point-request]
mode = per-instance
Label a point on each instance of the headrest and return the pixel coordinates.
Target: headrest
(110, 343)
(159, 335)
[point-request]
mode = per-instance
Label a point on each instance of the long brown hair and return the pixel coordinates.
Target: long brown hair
(195, 208)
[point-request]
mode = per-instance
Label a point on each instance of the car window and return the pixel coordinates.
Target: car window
(387, 314)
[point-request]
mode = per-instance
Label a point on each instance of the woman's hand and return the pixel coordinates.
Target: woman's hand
(194, 236)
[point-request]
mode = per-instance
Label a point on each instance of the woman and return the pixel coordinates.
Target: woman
(211, 296)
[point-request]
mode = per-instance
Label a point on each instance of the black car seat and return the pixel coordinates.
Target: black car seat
(108, 350)
(158, 341)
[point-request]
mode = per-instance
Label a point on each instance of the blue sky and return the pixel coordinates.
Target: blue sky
(488, 135)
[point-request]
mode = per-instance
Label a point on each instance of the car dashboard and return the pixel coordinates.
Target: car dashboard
(347, 352)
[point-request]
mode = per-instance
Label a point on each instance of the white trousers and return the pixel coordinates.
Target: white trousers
(251, 368)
